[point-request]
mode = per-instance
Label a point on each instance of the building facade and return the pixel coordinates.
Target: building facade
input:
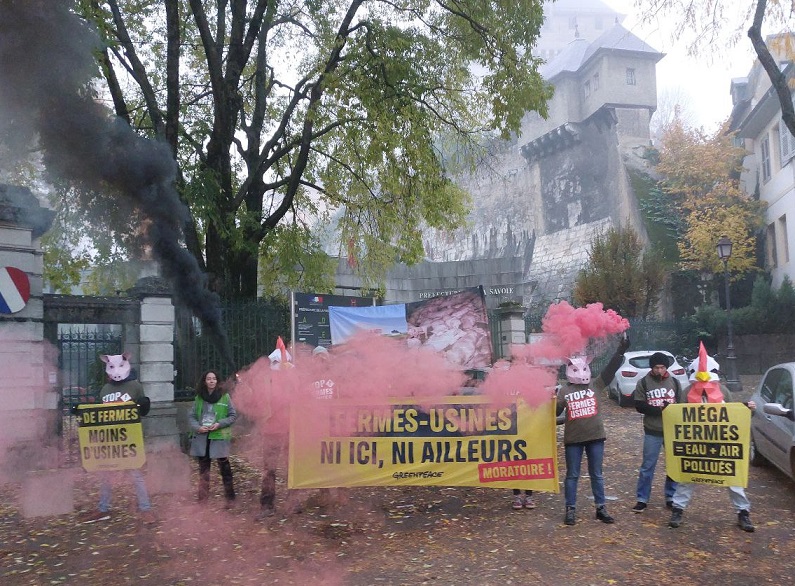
(769, 169)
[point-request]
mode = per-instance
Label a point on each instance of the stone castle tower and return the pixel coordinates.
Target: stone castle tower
(541, 198)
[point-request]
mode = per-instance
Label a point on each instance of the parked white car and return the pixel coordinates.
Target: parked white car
(634, 368)
(772, 427)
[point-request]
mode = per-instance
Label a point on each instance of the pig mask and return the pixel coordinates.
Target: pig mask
(117, 366)
(577, 371)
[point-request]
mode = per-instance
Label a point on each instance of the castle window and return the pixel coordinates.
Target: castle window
(587, 88)
(595, 81)
(630, 76)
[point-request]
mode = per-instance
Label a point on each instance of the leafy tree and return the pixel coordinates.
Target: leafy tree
(280, 113)
(770, 312)
(701, 175)
(705, 23)
(620, 275)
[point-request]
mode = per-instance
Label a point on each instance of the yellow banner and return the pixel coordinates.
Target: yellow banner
(111, 437)
(707, 443)
(450, 441)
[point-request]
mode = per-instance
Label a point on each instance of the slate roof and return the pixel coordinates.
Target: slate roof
(579, 51)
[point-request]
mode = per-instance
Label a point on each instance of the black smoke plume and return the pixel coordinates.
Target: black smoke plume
(46, 71)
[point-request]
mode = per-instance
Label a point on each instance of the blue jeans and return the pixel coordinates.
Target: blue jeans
(652, 444)
(106, 489)
(595, 452)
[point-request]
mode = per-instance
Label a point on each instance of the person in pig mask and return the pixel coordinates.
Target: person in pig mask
(584, 431)
(122, 386)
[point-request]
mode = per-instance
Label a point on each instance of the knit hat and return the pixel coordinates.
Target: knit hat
(659, 358)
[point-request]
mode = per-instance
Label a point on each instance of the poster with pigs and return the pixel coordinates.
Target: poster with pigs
(455, 325)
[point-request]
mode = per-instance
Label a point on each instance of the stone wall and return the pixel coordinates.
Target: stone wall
(28, 395)
(756, 353)
(536, 211)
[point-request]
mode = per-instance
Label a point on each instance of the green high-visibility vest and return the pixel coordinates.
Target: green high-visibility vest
(221, 409)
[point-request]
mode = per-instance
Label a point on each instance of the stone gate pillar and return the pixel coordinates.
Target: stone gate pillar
(28, 397)
(512, 328)
(167, 468)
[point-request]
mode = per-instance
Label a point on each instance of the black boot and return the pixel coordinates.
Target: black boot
(744, 521)
(571, 516)
(227, 478)
(603, 515)
(204, 479)
(676, 517)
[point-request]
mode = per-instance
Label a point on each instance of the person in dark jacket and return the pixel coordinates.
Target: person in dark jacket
(584, 431)
(653, 393)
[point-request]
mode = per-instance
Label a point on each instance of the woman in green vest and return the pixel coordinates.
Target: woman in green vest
(210, 420)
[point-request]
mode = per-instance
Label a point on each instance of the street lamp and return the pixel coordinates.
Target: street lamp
(732, 381)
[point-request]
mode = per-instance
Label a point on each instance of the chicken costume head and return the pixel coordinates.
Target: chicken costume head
(705, 382)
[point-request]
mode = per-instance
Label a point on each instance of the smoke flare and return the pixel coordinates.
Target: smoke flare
(46, 71)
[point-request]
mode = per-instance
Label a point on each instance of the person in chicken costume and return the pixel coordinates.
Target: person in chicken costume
(705, 387)
(275, 435)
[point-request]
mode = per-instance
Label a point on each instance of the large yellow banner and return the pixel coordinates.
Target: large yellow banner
(707, 443)
(111, 437)
(450, 441)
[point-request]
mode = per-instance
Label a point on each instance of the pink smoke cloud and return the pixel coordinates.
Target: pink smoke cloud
(572, 331)
(567, 331)
(367, 368)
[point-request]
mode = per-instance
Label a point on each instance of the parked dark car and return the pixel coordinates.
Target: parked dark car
(772, 428)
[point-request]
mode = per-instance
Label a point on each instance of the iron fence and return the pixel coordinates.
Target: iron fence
(252, 328)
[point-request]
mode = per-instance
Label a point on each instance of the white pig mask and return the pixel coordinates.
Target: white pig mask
(577, 371)
(117, 366)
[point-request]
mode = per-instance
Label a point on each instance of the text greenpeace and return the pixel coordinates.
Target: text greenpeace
(449, 441)
(111, 437)
(707, 443)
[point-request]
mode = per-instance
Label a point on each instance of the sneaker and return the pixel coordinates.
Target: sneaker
(639, 507)
(603, 516)
(676, 517)
(94, 516)
(148, 518)
(744, 521)
(529, 503)
(669, 504)
(571, 516)
(264, 513)
(518, 503)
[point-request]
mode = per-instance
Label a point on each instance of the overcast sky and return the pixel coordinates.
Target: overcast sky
(701, 83)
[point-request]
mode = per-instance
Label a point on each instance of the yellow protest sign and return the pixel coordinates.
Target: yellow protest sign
(707, 443)
(111, 437)
(450, 441)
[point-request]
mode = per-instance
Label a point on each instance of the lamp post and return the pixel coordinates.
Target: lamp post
(732, 381)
